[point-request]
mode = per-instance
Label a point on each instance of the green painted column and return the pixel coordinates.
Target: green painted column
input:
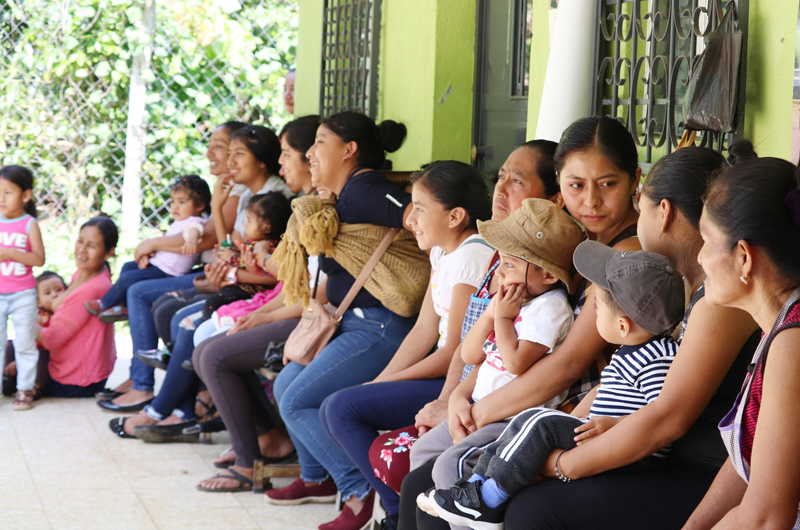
(770, 76)
(541, 51)
(427, 77)
(309, 58)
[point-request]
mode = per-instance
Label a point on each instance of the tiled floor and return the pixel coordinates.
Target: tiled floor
(62, 468)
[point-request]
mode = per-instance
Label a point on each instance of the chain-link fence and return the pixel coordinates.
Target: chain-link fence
(65, 77)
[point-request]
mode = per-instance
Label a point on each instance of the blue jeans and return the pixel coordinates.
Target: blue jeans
(179, 389)
(352, 418)
(362, 348)
(130, 274)
(22, 307)
(140, 319)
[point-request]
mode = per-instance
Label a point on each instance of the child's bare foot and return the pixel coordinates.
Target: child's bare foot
(11, 368)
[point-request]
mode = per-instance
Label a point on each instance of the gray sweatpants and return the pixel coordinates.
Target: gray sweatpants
(520, 452)
(453, 460)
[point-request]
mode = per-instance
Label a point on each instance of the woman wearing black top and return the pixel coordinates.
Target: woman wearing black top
(349, 148)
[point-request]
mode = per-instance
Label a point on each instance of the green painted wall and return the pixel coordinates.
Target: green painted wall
(309, 58)
(427, 46)
(770, 71)
(427, 76)
(541, 47)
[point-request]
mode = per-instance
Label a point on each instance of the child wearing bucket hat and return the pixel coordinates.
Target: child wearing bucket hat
(640, 299)
(528, 318)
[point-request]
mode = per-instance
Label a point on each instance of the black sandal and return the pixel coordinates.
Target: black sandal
(245, 484)
(117, 426)
(210, 409)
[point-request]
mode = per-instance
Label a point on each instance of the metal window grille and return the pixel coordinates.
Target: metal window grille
(523, 34)
(350, 47)
(646, 51)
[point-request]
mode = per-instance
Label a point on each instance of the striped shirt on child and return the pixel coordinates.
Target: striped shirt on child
(634, 378)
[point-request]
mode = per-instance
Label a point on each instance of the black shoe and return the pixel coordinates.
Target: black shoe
(108, 393)
(165, 433)
(465, 507)
(110, 406)
(215, 425)
(389, 522)
(187, 365)
(155, 358)
(117, 426)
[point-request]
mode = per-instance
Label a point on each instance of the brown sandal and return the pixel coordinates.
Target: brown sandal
(23, 400)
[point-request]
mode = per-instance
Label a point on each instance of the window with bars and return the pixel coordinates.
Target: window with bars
(646, 52)
(523, 36)
(350, 47)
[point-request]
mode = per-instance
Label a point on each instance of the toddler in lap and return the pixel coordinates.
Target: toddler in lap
(640, 299)
(191, 197)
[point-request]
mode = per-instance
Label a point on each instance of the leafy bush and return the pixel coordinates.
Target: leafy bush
(64, 87)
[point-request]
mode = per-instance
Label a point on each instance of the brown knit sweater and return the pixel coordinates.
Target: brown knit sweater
(399, 280)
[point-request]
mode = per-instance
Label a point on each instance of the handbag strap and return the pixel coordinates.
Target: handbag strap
(365, 272)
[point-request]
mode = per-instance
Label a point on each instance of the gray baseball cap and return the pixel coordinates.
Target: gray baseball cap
(644, 284)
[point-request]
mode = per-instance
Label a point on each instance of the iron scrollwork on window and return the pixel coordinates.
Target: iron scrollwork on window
(350, 48)
(646, 52)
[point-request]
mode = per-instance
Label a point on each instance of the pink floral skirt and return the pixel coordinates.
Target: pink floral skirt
(389, 456)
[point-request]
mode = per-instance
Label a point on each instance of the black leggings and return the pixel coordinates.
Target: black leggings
(418, 481)
(629, 497)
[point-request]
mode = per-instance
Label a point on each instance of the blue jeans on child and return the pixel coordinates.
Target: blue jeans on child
(366, 342)
(130, 274)
(179, 389)
(143, 328)
(23, 308)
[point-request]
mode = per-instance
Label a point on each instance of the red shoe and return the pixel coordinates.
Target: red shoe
(347, 520)
(298, 493)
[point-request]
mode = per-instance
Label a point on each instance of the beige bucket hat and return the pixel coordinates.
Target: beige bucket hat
(541, 233)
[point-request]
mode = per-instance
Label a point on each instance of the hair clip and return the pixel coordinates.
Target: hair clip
(253, 132)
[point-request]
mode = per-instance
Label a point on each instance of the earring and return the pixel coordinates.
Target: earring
(744, 280)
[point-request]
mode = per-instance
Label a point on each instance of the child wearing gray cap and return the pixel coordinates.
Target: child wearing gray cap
(640, 299)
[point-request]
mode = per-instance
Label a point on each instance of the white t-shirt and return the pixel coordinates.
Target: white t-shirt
(464, 265)
(272, 184)
(237, 190)
(545, 320)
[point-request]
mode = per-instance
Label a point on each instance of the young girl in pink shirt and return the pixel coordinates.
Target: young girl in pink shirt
(21, 248)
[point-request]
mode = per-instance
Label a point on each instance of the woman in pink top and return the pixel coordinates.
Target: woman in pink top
(82, 351)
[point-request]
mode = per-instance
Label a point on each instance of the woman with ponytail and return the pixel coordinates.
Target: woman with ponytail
(348, 150)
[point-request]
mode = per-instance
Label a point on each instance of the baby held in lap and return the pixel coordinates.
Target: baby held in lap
(640, 299)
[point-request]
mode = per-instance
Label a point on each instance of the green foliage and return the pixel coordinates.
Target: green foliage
(65, 72)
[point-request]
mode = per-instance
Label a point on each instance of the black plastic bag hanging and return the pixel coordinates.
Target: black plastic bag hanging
(710, 101)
